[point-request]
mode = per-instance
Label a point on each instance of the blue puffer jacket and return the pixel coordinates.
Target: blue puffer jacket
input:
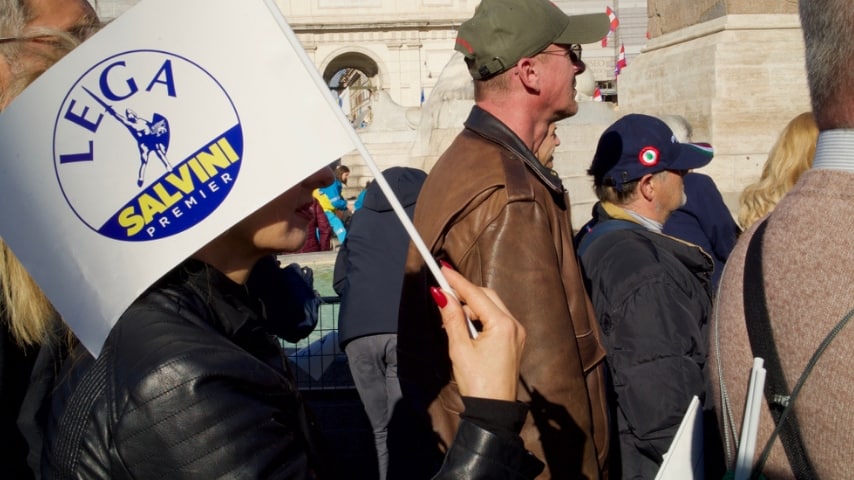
(651, 293)
(333, 193)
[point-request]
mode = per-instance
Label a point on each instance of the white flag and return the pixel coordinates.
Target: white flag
(685, 459)
(160, 132)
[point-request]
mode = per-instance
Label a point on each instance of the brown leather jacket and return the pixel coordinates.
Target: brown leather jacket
(502, 220)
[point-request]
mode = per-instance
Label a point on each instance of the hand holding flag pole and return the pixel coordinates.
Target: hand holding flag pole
(407, 224)
(410, 228)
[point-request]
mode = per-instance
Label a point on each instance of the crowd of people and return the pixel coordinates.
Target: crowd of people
(590, 344)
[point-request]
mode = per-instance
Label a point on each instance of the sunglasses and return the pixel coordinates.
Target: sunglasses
(574, 56)
(573, 53)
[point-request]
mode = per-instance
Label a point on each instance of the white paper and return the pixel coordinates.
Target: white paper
(750, 420)
(221, 88)
(684, 459)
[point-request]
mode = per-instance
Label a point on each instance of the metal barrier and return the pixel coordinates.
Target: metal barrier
(323, 376)
(319, 364)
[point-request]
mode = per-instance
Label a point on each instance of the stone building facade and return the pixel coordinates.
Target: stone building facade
(732, 68)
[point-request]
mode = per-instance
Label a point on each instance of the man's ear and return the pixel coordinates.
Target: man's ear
(647, 186)
(528, 71)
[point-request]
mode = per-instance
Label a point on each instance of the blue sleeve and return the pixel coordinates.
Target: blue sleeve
(340, 282)
(705, 221)
(333, 193)
(360, 199)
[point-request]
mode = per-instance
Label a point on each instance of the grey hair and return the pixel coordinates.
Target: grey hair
(828, 26)
(680, 126)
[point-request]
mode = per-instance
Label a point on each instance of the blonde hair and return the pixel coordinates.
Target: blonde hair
(37, 47)
(790, 156)
(28, 60)
(26, 311)
(24, 308)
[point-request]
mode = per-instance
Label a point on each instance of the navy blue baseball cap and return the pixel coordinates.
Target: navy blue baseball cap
(636, 145)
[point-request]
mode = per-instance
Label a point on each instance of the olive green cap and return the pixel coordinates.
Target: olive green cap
(502, 32)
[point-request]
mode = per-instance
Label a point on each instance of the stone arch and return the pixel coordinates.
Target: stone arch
(357, 72)
(354, 57)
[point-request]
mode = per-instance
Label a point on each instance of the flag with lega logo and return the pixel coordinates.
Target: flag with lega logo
(167, 127)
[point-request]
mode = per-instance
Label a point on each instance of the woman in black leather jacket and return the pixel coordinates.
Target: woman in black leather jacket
(189, 383)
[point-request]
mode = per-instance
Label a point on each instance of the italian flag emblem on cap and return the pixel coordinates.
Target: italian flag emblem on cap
(704, 148)
(648, 156)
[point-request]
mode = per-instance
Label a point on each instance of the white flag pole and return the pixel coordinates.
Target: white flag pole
(378, 176)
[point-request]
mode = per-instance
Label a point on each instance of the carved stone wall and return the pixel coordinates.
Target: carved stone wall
(733, 68)
(737, 78)
(667, 16)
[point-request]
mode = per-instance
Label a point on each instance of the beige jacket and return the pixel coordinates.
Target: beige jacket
(809, 281)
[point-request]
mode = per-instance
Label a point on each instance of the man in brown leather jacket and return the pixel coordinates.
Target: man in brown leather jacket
(492, 211)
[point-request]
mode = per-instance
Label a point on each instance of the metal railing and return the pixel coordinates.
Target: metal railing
(319, 364)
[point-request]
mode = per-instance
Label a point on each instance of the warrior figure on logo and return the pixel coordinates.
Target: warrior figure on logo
(152, 136)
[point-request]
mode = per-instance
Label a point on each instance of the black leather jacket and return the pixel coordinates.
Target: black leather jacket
(189, 385)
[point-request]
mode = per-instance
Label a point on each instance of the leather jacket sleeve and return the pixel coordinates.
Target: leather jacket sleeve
(514, 252)
(227, 418)
(476, 453)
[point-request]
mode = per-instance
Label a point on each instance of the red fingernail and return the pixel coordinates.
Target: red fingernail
(439, 297)
(446, 264)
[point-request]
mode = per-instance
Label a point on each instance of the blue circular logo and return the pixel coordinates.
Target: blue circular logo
(146, 145)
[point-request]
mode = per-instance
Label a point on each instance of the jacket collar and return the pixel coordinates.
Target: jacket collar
(487, 126)
(620, 213)
(608, 210)
(235, 312)
(692, 256)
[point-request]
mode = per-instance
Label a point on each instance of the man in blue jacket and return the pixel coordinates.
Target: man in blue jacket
(651, 292)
